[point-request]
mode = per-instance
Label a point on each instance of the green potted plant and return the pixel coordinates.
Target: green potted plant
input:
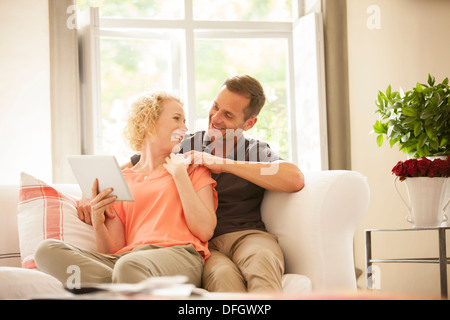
(418, 120)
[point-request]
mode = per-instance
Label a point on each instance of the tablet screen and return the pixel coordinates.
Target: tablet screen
(87, 168)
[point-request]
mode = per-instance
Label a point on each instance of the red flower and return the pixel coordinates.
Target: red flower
(446, 167)
(400, 170)
(411, 168)
(422, 168)
(438, 168)
(424, 165)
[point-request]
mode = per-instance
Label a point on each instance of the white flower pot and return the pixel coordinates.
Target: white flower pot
(427, 201)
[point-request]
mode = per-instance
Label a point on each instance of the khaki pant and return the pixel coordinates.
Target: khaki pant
(244, 261)
(58, 259)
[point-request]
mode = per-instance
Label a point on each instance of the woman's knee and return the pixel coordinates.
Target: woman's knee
(45, 250)
(139, 266)
(129, 269)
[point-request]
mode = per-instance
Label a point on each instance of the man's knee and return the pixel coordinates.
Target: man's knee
(265, 256)
(270, 255)
(263, 271)
(223, 278)
(220, 271)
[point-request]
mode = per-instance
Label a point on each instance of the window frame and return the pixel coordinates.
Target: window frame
(126, 28)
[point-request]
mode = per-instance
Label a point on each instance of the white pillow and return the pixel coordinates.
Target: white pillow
(18, 283)
(46, 213)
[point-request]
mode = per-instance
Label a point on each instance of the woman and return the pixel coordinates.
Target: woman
(165, 230)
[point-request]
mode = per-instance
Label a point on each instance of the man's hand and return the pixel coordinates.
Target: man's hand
(213, 163)
(84, 210)
(176, 164)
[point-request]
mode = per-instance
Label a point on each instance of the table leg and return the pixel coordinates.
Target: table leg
(369, 280)
(443, 263)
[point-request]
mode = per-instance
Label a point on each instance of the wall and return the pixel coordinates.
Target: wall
(25, 130)
(411, 41)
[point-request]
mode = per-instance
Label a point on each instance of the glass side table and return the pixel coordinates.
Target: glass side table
(442, 260)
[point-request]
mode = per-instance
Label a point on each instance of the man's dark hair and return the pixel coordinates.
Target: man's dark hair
(250, 88)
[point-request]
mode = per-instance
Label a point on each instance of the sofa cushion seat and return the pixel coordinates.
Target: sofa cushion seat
(296, 284)
(21, 283)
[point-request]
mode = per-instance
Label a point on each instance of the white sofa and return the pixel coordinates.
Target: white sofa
(315, 228)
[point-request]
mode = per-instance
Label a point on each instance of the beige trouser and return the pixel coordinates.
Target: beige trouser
(244, 261)
(60, 259)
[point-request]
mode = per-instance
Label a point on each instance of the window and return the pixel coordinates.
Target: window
(216, 59)
(128, 68)
(137, 9)
(237, 10)
(190, 47)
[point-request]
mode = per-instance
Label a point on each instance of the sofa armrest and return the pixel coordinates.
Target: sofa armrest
(9, 239)
(316, 226)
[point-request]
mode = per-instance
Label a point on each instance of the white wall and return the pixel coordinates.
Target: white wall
(25, 131)
(413, 40)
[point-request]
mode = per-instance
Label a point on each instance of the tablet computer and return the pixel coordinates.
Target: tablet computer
(87, 168)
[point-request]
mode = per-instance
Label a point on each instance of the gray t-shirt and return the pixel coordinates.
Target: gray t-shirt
(239, 200)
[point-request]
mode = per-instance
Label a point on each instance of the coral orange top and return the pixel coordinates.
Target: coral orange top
(156, 216)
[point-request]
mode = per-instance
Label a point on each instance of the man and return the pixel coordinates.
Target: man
(244, 256)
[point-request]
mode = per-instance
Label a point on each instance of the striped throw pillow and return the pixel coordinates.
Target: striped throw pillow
(46, 213)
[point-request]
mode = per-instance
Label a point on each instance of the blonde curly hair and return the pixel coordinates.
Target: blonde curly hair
(144, 113)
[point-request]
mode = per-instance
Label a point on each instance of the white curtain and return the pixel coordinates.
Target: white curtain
(337, 88)
(64, 87)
